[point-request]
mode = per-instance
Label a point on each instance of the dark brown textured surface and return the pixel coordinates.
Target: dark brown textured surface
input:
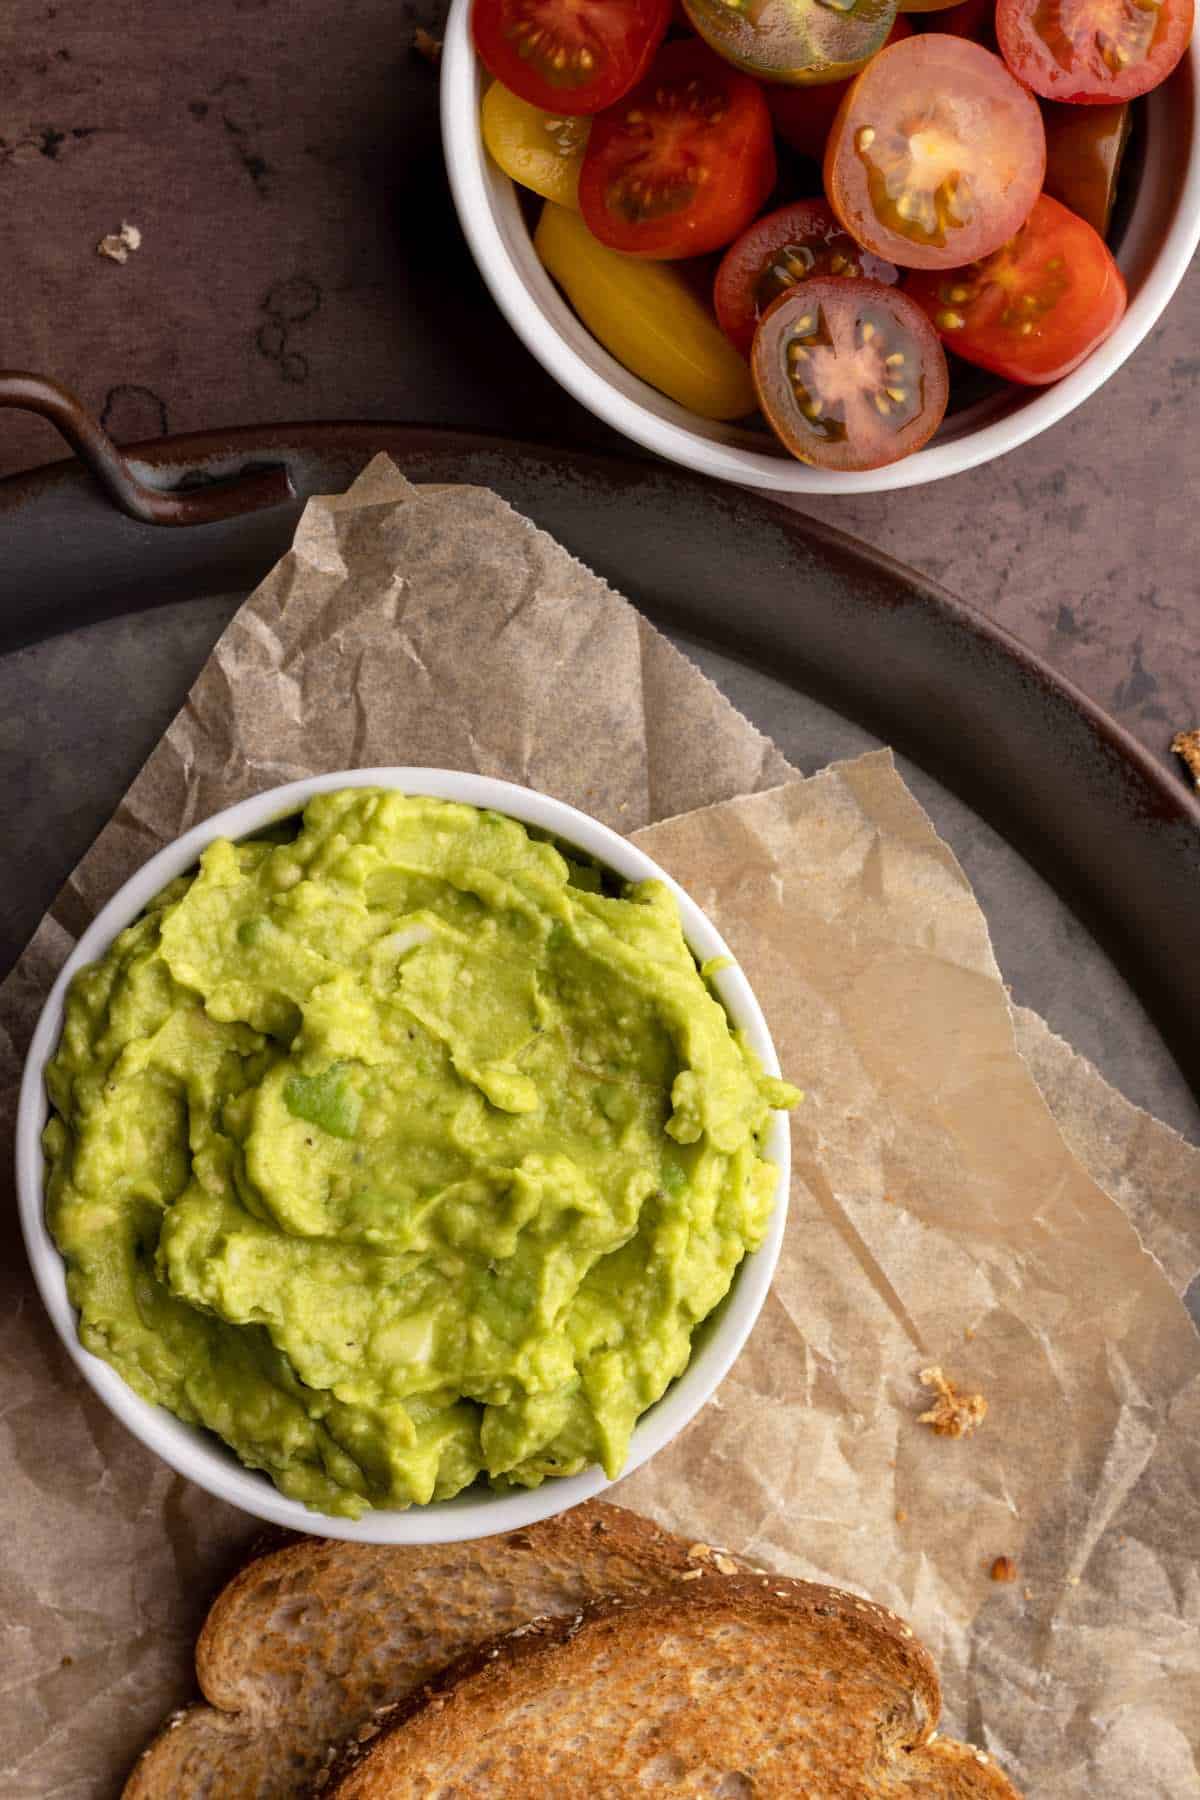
(300, 260)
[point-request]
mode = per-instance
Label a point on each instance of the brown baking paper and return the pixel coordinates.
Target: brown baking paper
(934, 1196)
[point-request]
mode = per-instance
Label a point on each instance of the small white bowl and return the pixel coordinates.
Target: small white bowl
(1158, 243)
(201, 1456)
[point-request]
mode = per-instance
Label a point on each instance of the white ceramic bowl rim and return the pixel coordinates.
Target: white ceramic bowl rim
(661, 426)
(201, 1457)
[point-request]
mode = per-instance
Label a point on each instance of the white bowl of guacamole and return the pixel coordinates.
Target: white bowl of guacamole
(401, 1155)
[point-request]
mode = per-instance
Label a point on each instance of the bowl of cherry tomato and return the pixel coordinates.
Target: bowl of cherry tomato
(826, 245)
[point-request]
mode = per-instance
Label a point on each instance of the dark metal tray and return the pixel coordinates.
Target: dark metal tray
(1084, 852)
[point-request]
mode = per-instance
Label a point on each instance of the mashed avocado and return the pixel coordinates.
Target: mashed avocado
(402, 1151)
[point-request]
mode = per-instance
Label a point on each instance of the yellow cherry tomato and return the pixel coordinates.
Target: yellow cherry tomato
(542, 151)
(648, 317)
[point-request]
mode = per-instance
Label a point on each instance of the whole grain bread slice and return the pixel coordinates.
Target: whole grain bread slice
(745, 1687)
(312, 1635)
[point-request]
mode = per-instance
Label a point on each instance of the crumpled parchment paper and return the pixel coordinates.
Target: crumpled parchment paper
(938, 1214)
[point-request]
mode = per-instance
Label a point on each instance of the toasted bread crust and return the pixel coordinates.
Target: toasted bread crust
(615, 1580)
(962, 1772)
(483, 1712)
(432, 1723)
(571, 1537)
(594, 1548)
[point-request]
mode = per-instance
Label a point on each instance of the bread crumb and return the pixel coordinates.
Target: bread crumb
(1004, 1569)
(901, 1516)
(726, 1565)
(1187, 745)
(699, 1552)
(118, 244)
(1028, 1592)
(953, 1414)
(428, 46)
(969, 1333)
(691, 1575)
(1072, 1580)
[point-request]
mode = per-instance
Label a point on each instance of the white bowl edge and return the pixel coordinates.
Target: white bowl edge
(488, 212)
(200, 1456)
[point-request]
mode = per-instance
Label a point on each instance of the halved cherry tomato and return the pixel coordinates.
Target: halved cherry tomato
(850, 374)
(1093, 50)
(647, 315)
(1032, 311)
(683, 163)
(792, 244)
(803, 116)
(936, 155)
(794, 40)
(543, 151)
(574, 56)
(1084, 148)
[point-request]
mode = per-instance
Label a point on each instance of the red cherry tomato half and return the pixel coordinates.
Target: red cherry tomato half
(1032, 311)
(569, 56)
(849, 374)
(683, 163)
(803, 116)
(1093, 50)
(937, 154)
(792, 244)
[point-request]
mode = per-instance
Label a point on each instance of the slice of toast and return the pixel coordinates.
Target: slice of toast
(731, 1689)
(312, 1635)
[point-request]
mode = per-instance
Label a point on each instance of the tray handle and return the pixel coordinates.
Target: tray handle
(250, 491)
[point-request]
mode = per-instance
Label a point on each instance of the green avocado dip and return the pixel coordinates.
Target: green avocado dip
(400, 1150)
